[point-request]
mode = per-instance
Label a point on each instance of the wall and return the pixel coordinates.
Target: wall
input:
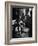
(2, 21)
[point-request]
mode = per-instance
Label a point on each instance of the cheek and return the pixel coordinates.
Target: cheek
(26, 29)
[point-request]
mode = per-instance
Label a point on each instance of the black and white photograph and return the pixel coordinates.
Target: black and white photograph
(21, 22)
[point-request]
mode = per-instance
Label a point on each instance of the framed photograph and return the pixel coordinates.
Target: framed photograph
(20, 22)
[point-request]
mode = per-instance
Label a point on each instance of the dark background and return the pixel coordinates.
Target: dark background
(28, 22)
